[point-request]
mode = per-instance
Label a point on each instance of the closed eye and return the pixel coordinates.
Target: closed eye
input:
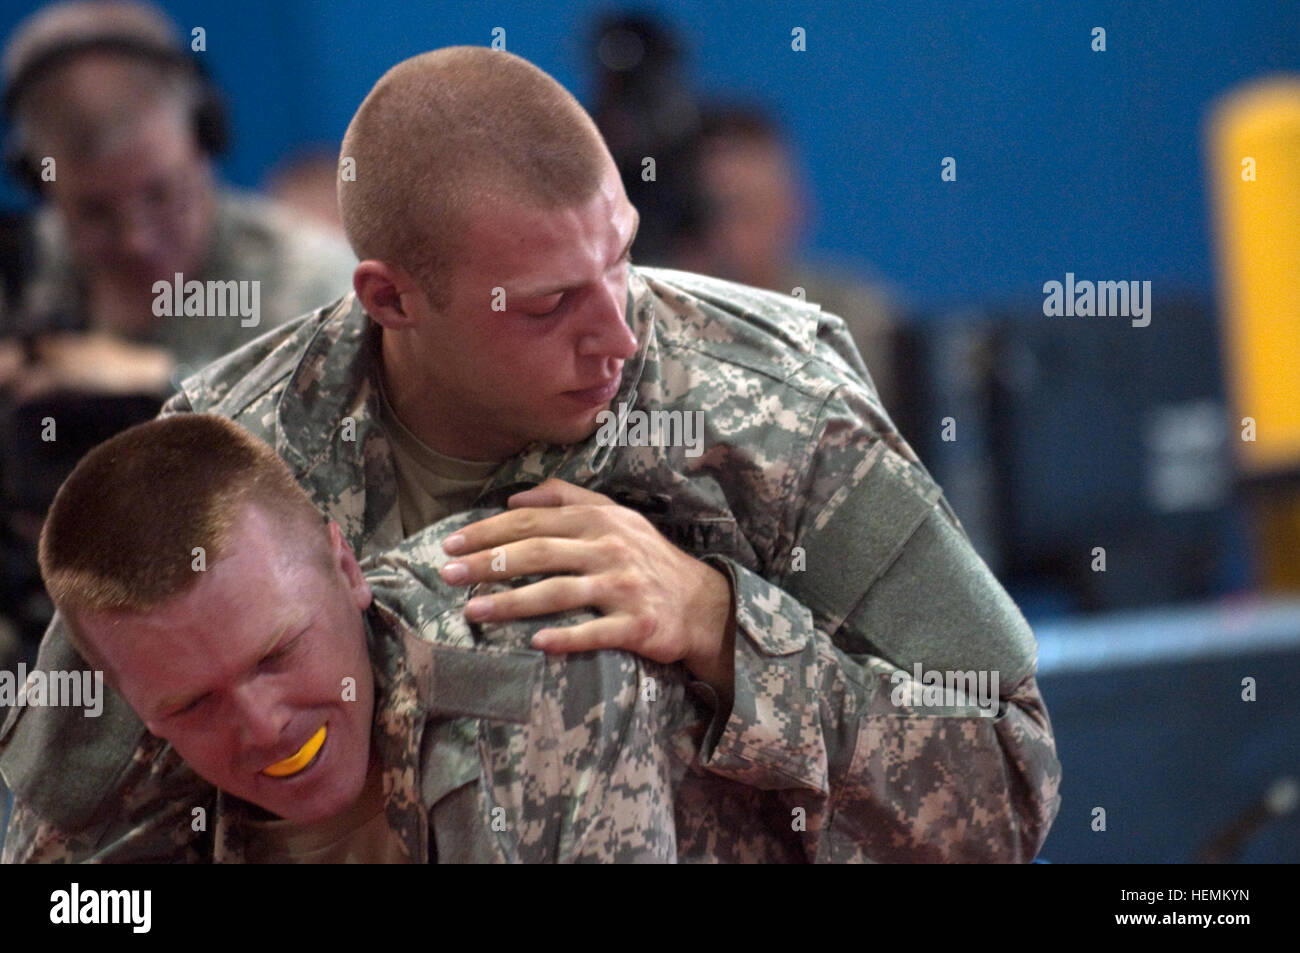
(190, 707)
(563, 299)
(276, 658)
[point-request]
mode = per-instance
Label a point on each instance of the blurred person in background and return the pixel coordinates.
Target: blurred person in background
(115, 125)
(645, 110)
(306, 183)
(723, 195)
(754, 209)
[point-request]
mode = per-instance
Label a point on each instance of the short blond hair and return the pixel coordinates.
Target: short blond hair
(123, 527)
(452, 130)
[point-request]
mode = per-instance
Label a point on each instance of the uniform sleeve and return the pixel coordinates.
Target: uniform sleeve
(830, 707)
(159, 814)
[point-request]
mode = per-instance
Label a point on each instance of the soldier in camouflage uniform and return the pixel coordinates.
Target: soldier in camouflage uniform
(107, 91)
(480, 748)
(846, 568)
(113, 125)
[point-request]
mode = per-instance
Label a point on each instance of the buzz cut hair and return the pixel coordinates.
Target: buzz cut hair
(123, 530)
(454, 130)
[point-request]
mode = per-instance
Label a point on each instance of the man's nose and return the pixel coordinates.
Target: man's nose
(606, 332)
(261, 717)
(137, 236)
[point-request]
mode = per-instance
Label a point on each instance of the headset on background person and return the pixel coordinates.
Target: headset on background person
(211, 126)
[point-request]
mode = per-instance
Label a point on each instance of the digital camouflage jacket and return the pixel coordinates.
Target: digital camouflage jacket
(848, 569)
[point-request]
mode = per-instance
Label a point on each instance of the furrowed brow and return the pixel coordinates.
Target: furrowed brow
(177, 702)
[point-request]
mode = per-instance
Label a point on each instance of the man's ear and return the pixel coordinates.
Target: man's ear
(389, 293)
(346, 562)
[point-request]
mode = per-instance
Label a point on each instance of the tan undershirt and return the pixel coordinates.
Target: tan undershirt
(430, 485)
(358, 835)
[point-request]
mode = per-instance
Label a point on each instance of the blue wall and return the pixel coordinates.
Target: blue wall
(1067, 160)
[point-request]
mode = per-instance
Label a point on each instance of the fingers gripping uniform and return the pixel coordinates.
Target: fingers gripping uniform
(847, 568)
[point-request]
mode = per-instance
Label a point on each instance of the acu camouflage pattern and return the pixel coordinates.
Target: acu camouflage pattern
(846, 563)
(566, 758)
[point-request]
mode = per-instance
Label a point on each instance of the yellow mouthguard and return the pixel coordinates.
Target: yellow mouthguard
(296, 762)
